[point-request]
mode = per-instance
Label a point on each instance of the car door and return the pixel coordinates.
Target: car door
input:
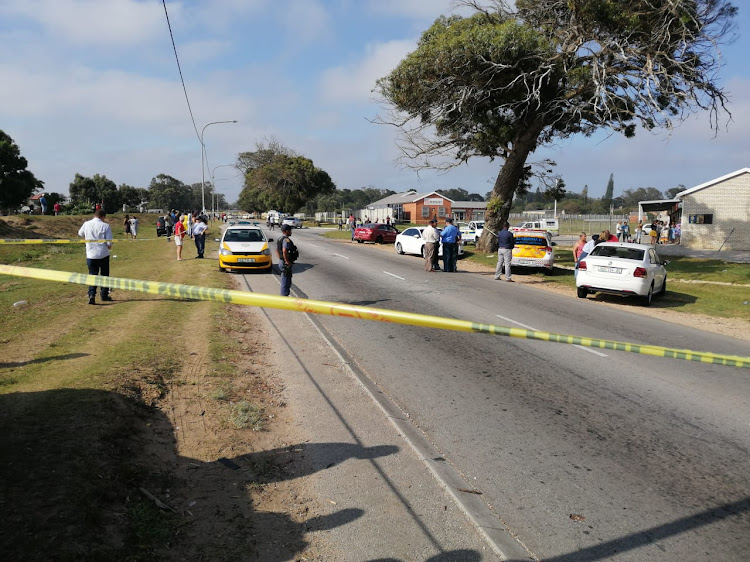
(657, 269)
(411, 241)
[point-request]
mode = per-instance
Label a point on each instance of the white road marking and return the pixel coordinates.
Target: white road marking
(313, 245)
(339, 255)
(393, 275)
(595, 352)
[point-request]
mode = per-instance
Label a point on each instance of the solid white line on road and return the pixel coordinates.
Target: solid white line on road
(595, 352)
(313, 245)
(393, 275)
(339, 255)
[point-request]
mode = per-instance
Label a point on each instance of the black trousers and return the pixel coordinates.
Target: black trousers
(98, 266)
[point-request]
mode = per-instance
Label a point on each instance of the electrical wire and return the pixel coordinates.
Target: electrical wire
(184, 89)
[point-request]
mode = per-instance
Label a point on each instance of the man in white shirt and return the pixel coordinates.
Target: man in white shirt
(199, 234)
(97, 253)
(431, 246)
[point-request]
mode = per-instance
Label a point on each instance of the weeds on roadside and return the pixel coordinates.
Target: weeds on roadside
(244, 415)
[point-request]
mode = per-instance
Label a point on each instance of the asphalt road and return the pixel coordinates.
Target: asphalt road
(583, 454)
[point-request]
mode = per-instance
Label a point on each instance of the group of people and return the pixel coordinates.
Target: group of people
(450, 237)
(190, 224)
(130, 224)
(98, 236)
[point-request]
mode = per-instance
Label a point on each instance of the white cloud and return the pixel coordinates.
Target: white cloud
(354, 82)
(93, 22)
(306, 21)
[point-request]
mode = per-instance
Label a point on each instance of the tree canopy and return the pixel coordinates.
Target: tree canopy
(502, 83)
(276, 178)
(17, 183)
(85, 191)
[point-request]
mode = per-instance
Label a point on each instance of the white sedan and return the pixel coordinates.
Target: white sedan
(622, 268)
(410, 241)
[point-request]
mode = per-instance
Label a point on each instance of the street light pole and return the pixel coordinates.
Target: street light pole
(213, 176)
(203, 166)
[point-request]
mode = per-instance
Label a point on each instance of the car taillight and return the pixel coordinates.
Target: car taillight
(581, 265)
(640, 272)
(548, 249)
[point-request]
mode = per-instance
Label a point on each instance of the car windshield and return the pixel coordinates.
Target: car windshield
(530, 241)
(618, 252)
(243, 236)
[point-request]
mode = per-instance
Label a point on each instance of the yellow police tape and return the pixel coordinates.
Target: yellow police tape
(361, 312)
(66, 241)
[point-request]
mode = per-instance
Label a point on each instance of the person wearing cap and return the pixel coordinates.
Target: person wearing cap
(450, 237)
(283, 245)
(431, 240)
(505, 244)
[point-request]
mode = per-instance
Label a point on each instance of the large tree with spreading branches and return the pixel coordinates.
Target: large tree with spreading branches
(503, 82)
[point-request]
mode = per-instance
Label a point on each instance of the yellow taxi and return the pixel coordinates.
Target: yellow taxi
(533, 248)
(244, 247)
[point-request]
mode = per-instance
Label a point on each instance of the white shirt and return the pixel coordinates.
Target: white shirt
(430, 234)
(96, 229)
(199, 228)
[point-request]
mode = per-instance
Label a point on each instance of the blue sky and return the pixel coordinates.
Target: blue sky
(92, 86)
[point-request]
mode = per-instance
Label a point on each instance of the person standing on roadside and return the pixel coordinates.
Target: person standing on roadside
(450, 237)
(126, 226)
(134, 226)
(57, 208)
(431, 241)
(199, 234)
(43, 203)
(97, 253)
(639, 232)
(285, 250)
(179, 234)
(505, 244)
(618, 231)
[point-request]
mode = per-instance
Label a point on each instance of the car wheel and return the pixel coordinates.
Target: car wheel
(399, 249)
(663, 289)
(582, 293)
(379, 240)
(649, 296)
(360, 241)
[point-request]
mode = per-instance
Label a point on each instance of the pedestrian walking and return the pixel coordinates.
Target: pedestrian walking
(97, 253)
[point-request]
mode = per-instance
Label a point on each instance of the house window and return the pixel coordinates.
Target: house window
(441, 211)
(425, 212)
(701, 219)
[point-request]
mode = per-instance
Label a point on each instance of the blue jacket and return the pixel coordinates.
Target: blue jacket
(506, 240)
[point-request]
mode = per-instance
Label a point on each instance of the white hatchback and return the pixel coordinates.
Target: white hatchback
(622, 268)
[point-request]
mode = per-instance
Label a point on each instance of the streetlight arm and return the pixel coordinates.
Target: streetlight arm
(203, 157)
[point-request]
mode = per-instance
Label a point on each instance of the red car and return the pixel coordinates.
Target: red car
(378, 233)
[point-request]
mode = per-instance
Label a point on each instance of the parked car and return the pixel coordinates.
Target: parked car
(244, 247)
(533, 248)
(622, 268)
(410, 241)
(294, 222)
(550, 225)
(470, 231)
(378, 233)
(161, 226)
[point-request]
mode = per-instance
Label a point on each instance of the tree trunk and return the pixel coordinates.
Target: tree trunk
(507, 181)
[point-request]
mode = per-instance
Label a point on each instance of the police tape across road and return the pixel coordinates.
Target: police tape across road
(361, 312)
(67, 241)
